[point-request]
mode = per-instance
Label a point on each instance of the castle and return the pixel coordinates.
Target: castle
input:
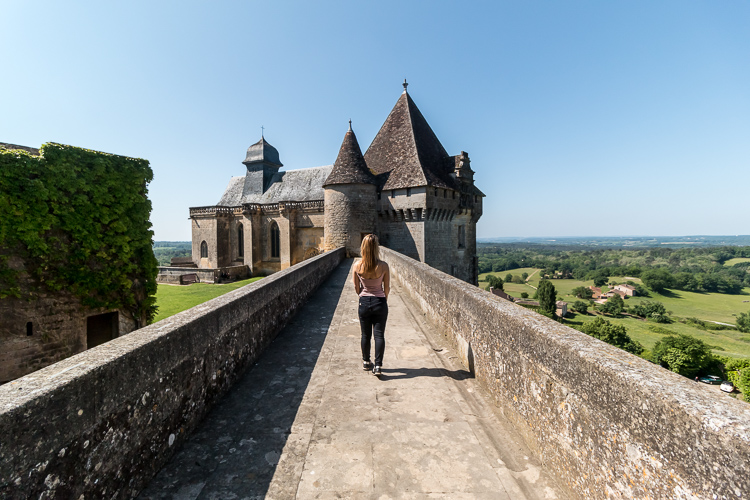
(419, 200)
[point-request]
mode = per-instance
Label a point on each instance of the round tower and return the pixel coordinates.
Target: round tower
(350, 195)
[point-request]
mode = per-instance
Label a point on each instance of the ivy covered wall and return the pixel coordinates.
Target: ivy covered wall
(76, 220)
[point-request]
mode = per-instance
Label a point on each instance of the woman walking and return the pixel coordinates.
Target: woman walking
(372, 282)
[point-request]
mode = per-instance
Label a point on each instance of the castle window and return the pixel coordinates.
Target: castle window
(445, 193)
(436, 192)
(393, 193)
(408, 191)
(240, 241)
(454, 195)
(461, 236)
(275, 241)
(29, 329)
(204, 250)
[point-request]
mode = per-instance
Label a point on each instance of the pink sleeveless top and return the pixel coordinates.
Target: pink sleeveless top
(371, 287)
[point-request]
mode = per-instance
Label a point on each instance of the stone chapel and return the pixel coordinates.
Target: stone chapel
(419, 200)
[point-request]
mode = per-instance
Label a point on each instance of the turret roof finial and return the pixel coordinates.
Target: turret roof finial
(350, 124)
(262, 128)
(405, 84)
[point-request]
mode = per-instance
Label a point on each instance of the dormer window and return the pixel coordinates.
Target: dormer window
(408, 191)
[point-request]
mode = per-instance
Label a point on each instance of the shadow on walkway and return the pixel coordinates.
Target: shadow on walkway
(407, 373)
(251, 424)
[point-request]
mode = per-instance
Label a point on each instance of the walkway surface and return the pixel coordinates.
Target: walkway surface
(307, 422)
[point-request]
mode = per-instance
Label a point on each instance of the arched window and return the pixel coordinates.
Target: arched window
(240, 240)
(204, 250)
(275, 240)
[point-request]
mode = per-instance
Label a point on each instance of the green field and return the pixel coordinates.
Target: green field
(705, 306)
(171, 299)
(737, 260)
(730, 343)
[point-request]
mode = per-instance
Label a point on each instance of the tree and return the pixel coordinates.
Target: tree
(683, 354)
(657, 279)
(495, 282)
(743, 322)
(610, 333)
(508, 278)
(600, 278)
(651, 309)
(613, 306)
(580, 306)
(582, 292)
(524, 295)
(547, 296)
(524, 276)
(517, 280)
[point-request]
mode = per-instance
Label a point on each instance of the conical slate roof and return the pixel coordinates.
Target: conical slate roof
(262, 152)
(408, 149)
(350, 166)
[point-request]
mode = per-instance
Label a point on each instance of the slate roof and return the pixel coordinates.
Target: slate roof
(263, 152)
(291, 185)
(350, 166)
(407, 153)
(33, 151)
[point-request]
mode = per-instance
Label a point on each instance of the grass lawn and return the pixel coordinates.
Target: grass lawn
(736, 260)
(728, 342)
(171, 299)
(705, 306)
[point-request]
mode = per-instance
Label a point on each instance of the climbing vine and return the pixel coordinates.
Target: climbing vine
(77, 220)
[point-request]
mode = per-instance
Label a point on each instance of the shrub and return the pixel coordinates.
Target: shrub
(613, 306)
(610, 333)
(743, 322)
(683, 354)
(580, 306)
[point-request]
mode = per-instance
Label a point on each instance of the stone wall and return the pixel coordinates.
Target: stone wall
(172, 274)
(609, 424)
(58, 331)
(350, 211)
(103, 422)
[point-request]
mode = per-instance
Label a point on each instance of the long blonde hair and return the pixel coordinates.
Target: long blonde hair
(370, 251)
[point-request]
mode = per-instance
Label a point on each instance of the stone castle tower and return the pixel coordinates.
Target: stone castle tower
(350, 198)
(419, 200)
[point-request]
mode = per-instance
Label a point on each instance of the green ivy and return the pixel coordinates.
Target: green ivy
(79, 221)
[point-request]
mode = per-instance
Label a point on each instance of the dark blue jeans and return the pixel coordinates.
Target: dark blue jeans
(373, 313)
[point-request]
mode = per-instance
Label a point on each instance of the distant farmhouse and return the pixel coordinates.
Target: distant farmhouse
(406, 188)
(76, 265)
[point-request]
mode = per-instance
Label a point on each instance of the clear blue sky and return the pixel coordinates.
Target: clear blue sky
(581, 118)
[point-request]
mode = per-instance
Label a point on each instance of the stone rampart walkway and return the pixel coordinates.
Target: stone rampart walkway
(308, 422)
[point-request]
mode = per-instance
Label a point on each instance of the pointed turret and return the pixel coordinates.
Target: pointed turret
(407, 147)
(350, 203)
(350, 166)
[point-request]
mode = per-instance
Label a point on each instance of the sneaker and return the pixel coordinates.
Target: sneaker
(366, 365)
(376, 371)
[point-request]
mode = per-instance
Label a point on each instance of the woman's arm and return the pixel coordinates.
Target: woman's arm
(356, 279)
(386, 280)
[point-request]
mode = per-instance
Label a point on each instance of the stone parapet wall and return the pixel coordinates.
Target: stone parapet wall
(172, 274)
(609, 424)
(100, 424)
